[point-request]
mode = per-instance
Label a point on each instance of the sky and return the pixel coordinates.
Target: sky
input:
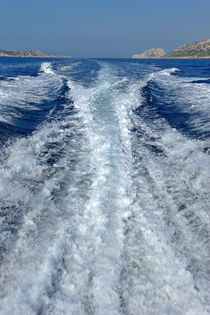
(102, 28)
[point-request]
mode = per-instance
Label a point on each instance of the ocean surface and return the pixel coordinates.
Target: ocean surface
(104, 187)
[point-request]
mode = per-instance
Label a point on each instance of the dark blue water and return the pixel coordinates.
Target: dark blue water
(104, 186)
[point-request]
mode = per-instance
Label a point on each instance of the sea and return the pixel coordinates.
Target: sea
(104, 186)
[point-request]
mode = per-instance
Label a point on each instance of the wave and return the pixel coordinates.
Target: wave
(26, 100)
(180, 100)
(169, 183)
(46, 67)
(37, 180)
(168, 71)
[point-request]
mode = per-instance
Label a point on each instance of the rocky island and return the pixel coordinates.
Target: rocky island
(28, 53)
(151, 53)
(199, 49)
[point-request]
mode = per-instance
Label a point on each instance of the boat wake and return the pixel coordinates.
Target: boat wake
(104, 201)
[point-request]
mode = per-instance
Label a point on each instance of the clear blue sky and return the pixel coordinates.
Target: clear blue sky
(102, 28)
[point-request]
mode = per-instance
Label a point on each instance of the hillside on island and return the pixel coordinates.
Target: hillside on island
(28, 53)
(151, 53)
(199, 49)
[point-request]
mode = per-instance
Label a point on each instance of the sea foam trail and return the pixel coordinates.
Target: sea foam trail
(168, 232)
(105, 208)
(35, 217)
(95, 259)
(77, 239)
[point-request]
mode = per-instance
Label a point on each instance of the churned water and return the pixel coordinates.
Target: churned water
(104, 187)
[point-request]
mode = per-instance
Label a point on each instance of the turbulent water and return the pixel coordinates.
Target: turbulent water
(104, 187)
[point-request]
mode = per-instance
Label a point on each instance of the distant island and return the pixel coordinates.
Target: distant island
(200, 49)
(28, 53)
(151, 53)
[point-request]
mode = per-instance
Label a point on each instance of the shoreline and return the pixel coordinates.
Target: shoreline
(174, 58)
(58, 57)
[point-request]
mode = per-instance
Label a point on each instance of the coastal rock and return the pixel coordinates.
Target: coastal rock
(200, 49)
(151, 53)
(28, 53)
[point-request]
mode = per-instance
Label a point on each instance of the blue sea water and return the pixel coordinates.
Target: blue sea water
(104, 186)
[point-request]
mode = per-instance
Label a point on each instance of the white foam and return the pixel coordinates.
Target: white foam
(29, 184)
(46, 67)
(27, 92)
(163, 259)
(169, 71)
(94, 264)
